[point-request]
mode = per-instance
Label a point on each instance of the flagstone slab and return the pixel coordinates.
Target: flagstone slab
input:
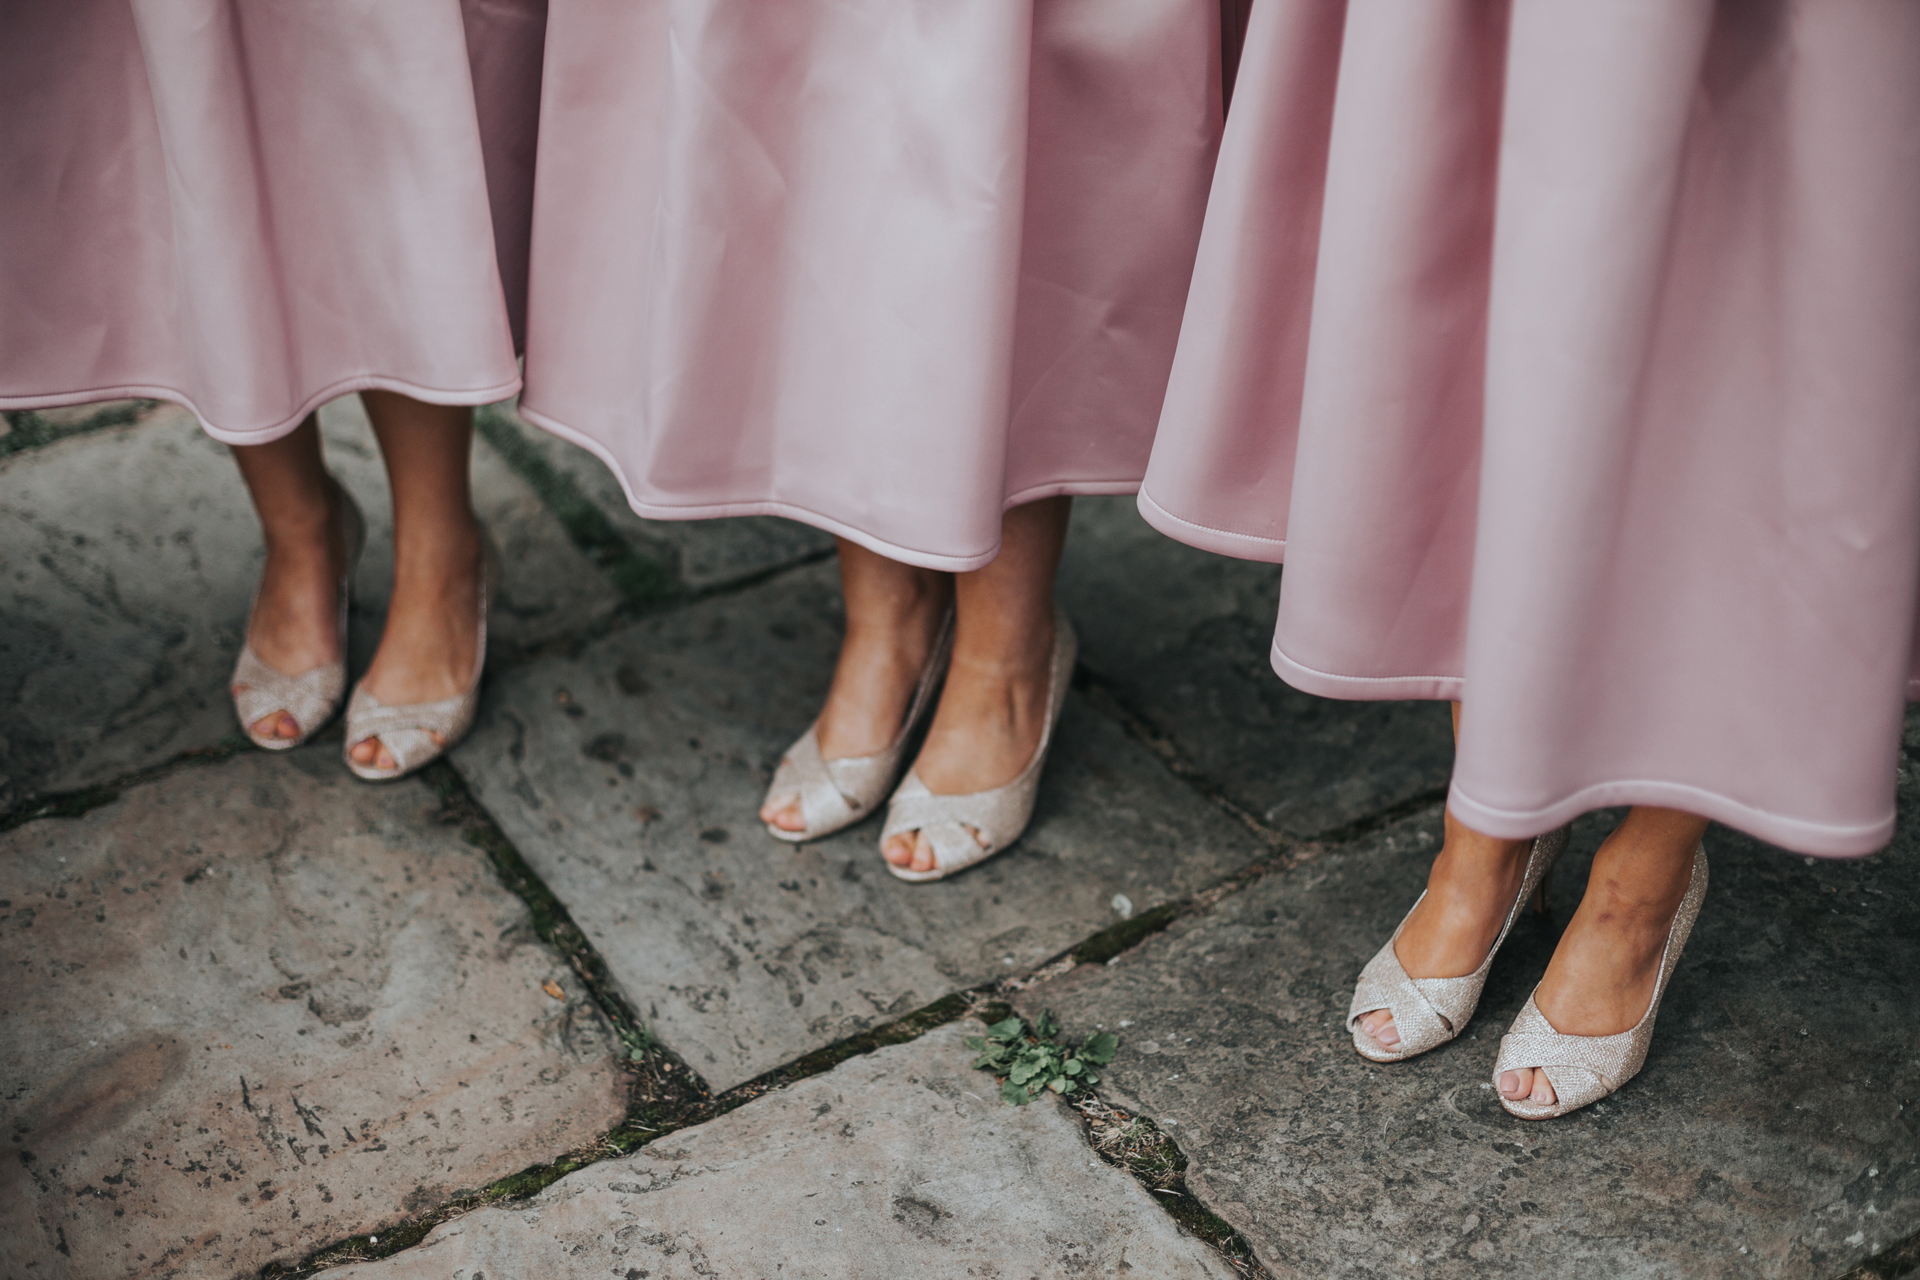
(255, 1007)
(700, 553)
(629, 776)
(900, 1163)
(128, 559)
(1182, 637)
(1771, 1134)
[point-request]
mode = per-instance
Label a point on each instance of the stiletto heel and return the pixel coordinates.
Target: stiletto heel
(1542, 892)
(838, 793)
(1428, 1012)
(1585, 1069)
(407, 730)
(313, 697)
(999, 814)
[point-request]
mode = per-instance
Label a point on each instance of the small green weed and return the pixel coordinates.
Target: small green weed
(1029, 1062)
(636, 1042)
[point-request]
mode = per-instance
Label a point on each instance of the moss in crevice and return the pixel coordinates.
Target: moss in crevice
(642, 581)
(75, 804)
(662, 1087)
(1139, 1146)
(27, 429)
(1128, 934)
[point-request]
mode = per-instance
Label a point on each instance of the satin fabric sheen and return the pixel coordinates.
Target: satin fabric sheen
(1569, 355)
(253, 208)
(884, 266)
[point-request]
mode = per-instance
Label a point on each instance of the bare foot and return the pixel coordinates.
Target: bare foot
(295, 625)
(1601, 978)
(429, 647)
(1469, 892)
(989, 723)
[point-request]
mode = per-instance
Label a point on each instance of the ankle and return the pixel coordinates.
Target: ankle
(1480, 867)
(304, 530)
(441, 549)
(1004, 652)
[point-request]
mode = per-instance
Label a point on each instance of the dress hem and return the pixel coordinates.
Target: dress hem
(268, 434)
(1225, 542)
(805, 515)
(1327, 684)
(1818, 839)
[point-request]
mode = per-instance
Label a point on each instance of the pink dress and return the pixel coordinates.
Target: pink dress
(253, 208)
(887, 267)
(1570, 355)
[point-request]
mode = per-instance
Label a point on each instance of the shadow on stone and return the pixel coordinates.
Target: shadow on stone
(1181, 638)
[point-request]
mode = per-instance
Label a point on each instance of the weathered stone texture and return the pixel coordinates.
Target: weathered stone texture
(1771, 1134)
(901, 1163)
(257, 1006)
(630, 775)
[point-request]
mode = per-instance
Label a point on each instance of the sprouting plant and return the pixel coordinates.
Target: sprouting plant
(635, 1042)
(1028, 1062)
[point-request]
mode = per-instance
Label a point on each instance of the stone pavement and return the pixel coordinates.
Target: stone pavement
(262, 1016)
(893, 1164)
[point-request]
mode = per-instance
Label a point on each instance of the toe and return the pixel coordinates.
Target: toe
(289, 727)
(383, 758)
(785, 815)
(1379, 1025)
(922, 852)
(1515, 1085)
(899, 849)
(364, 751)
(267, 726)
(1542, 1089)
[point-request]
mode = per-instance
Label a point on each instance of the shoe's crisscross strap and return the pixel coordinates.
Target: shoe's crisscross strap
(310, 698)
(832, 793)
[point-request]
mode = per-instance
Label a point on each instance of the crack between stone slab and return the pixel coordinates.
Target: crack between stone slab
(27, 429)
(83, 800)
(646, 585)
(1131, 1142)
(641, 580)
(665, 1095)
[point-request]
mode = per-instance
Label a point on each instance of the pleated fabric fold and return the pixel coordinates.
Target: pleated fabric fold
(1569, 356)
(884, 266)
(253, 208)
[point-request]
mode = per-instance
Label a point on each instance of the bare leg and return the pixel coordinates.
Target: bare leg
(1469, 892)
(427, 651)
(295, 623)
(994, 707)
(1601, 978)
(893, 619)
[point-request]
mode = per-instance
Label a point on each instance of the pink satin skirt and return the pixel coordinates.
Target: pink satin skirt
(253, 208)
(887, 267)
(1569, 354)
